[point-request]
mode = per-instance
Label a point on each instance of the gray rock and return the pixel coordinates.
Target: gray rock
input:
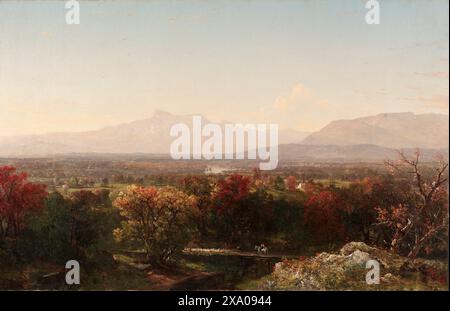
(349, 248)
(358, 258)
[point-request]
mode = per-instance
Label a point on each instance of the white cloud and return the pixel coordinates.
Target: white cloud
(297, 94)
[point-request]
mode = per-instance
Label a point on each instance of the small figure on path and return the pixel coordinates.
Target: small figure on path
(258, 248)
(261, 249)
(264, 249)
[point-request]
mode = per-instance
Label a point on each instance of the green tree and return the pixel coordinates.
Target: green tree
(79, 226)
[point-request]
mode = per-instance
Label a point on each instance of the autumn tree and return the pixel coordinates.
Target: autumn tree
(257, 175)
(260, 214)
(291, 183)
(159, 218)
(18, 197)
(201, 187)
(360, 215)
(243, 214)
(421, 223)
(231, 199)
(278, 183)
(323, 216)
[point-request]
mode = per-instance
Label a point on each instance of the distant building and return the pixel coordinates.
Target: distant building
(65, 188)
(214, 170)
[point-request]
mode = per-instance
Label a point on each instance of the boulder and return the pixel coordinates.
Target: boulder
(346, 271)
(358, 258)
(349, 248)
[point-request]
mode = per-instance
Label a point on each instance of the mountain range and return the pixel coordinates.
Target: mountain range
(392, 130)
(365, 138)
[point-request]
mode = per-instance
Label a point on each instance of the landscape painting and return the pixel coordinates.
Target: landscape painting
(224, 145)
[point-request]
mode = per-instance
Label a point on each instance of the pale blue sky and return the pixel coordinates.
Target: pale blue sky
(298, 63)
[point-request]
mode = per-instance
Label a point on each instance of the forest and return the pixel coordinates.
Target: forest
(129, 231)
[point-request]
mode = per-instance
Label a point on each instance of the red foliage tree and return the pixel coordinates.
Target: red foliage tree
(291, 183)
(232, 191)
(17, 198)
(231, 200)
(322, 216)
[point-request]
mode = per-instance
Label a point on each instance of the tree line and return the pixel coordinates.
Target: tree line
(404, 210)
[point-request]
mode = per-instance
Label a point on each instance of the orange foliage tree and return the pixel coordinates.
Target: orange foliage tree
(159, 218)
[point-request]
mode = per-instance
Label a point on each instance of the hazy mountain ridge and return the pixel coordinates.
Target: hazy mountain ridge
(393, 130)
(368, 138)
(351, 153)
(150, 135)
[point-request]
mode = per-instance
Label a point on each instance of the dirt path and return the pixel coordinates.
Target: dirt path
(168, 278)
(180, 279)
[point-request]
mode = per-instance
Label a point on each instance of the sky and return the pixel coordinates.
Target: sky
(300, 64)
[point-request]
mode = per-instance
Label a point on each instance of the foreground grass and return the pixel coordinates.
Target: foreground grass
(343, 270)
(40, 275)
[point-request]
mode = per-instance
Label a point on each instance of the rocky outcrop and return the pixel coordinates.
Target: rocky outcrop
(346, 270)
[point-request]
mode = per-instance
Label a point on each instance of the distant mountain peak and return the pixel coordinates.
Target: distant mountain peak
(392, 130)
(152, 135)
